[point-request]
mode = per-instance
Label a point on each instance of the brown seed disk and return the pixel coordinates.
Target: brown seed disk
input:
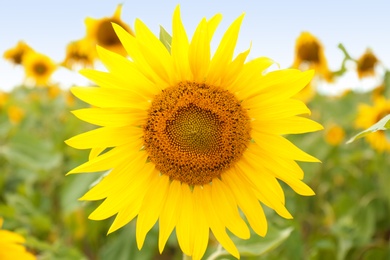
(195, 132)
(309, 52)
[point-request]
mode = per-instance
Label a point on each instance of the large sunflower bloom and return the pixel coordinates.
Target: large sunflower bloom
(309, 54)
(38, 67)
(11, 246)
(17, 53)
(101, 32)
(366, 64)
(193, 139)
(368, 116)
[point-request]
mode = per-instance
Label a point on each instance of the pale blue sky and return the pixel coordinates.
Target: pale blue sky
(272, 26)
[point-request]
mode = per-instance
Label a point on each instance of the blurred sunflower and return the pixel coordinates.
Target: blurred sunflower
(38, 67)
(368, 116)
(192, 138)
(101, 32)
(15, 114)
(16, 54)
(366, 64)
(3, 98)
(334, 135)
(81, 52)
(11, 246)
(309, 54)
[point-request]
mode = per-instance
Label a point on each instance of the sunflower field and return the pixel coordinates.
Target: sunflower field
(173, 152)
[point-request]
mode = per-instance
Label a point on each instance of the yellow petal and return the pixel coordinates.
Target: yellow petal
(105, 97)
(152, 205)
(226, 208)
(122, 191)
(278, 110)
(224, 54)
(251, 73)
(185, 229)
(132, 48)
(132, 207)
(202, 227)
(279, 169)
(199, 52)
(247, 201)
(155, 53)
(109, 159)
(269, 197)
(280, 146)
(105, 137)
(234, 69)
(292, 125)
(170, 213)
(95, 152)
(214, 222)
(118, 177)
(179, 48)
(114, 117)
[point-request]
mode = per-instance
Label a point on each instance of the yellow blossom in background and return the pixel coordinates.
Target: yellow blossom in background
(11, 246)
(310, 54)
(191, 137)
(334, 135)
(3, 98)
(379, 91)
(38, 67)
(368, 116)
(100, 31)
(80, 52)
(53, 91)
(17, 53)
(15, 114)
(366, 64)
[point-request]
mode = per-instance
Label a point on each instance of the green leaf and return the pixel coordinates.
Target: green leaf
(256, 245)
(165, 38)
(382, 124)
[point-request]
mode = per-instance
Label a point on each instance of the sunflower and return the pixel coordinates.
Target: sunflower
(366, 64)
(38, 67)
(11, 246)
(15, 114)
(191, 140)
(17, 53)
(334, 135)
(101, 32)
(80, 52)
(309, 54)
(369, 115)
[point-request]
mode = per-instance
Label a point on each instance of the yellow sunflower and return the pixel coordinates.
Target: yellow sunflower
(369, 115)
(334, 135)
(16, 54)
(101, 32)
(309, 54)
(38, 67)
(80, 52)
(366, 64)
(190, 139)
(11, 246)
(15, 114)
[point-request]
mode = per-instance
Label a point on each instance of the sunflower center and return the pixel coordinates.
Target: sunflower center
(106, 35)
(309, 52)
(195, 132)
(40, 68)
(367, 63)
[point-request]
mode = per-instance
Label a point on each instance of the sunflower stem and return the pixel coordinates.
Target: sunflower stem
(186, 257)
(217, 253)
